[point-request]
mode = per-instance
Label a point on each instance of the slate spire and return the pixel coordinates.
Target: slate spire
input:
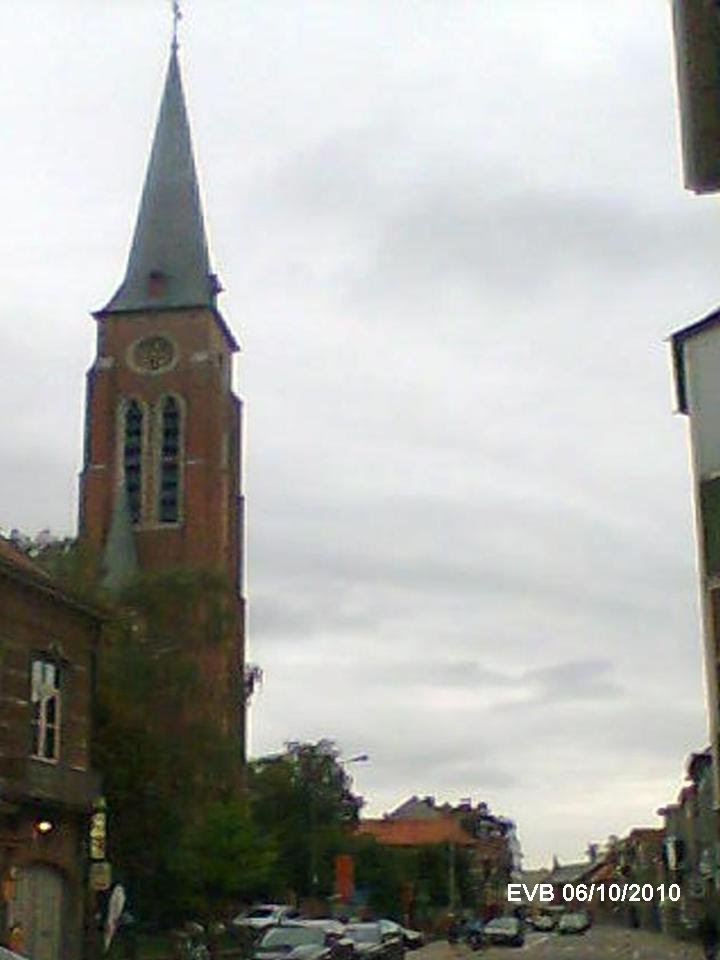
(169, 265)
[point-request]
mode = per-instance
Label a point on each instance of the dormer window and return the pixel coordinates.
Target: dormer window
(157, 284)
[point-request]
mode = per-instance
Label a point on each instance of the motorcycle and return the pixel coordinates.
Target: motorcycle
(473, 934)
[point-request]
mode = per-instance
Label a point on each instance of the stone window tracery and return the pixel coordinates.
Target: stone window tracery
(170, 459)
(132, 458)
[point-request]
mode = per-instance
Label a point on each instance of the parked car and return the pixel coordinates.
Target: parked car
(372, 942)
(294, 941)
(265, 915)
(544, 922)
(508, 930)
(411, 938)
(574, 923)
(335, 936)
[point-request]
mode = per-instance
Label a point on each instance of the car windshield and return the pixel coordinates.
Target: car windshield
(368, 934)
(291, 936)
(260, 913)
(502, 923)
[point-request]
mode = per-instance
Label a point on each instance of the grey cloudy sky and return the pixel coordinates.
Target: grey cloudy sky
(454, 237)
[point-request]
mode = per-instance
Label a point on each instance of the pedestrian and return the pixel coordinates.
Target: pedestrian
(708, 933)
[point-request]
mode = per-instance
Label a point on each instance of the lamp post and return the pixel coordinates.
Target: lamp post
(341, 762)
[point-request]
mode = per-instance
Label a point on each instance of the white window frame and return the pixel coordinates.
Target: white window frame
(44, 690)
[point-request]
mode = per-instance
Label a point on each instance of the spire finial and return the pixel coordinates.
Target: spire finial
(177, 17)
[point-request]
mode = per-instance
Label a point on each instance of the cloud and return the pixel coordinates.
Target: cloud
(454, 238)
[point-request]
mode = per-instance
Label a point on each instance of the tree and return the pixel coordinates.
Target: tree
(166, 759)
(222, 860)
(303, 798)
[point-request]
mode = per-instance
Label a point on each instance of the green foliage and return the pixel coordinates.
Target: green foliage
(182, 606)
(303, 799)
(159, 740)
(381, 873)
(391, 876)
(222, 859)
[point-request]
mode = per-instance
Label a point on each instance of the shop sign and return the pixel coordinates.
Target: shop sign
(100, 875)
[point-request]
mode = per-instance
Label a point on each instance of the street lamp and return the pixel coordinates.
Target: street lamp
(341, 762)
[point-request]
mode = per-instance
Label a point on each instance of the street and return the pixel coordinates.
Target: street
(597, 944)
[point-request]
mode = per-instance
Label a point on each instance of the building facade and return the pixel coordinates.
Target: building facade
(160, 487)
(47, 787)
(488, 842)
(696, 360)
(691, 852)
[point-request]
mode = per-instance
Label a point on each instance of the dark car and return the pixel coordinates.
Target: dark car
(574, 923)
(473, 932)
(293, 941)
(507, 930)
(373, 942)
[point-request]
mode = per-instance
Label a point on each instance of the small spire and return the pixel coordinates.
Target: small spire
(177, 17)
(120, 560)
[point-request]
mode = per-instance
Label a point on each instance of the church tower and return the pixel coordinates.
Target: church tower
(160, 486)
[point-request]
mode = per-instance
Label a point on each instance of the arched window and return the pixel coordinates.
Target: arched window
(132, 458)
(171, 443)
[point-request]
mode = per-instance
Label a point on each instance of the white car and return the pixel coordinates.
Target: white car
(265, 915)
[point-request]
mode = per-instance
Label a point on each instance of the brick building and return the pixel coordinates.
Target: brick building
(160, 487)
(489, 842)
(47, 787)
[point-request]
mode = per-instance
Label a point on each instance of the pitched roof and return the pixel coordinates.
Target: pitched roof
(602, 872)
(169, 264)
(568, 872)
(11, 556)
(647, 835)
(415, 808)
(19, 567)
(415, 833)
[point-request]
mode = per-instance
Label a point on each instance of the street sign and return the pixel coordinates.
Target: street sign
(98, 835)
(100, 875)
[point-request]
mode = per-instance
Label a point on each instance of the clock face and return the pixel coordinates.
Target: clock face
(153, 353)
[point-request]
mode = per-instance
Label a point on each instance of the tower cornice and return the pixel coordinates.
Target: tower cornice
(105, 313)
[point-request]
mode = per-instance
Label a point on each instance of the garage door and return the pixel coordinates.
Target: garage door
(38, 906)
